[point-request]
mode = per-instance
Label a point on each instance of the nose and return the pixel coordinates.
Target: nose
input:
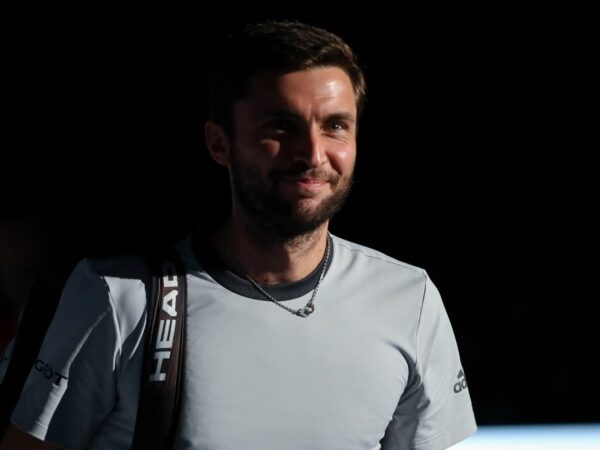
(311, 148)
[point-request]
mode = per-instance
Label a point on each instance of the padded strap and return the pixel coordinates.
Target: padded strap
(162, 374)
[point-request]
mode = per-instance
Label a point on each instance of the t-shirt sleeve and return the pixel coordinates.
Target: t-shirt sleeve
(435, 410)
(71, 386)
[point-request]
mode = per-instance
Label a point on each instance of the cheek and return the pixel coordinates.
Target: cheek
(269, 148)
(256, 151)
(342, 159)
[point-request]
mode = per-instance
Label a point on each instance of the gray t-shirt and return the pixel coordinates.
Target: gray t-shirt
(375, 366)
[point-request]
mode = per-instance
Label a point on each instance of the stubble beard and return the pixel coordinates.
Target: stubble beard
(280, 219)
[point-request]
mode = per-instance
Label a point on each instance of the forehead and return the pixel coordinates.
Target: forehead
(321, 87)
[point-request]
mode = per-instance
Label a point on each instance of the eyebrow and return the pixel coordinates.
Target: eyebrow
(344, 116)
(283, 114)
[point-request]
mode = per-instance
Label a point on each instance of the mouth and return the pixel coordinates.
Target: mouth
(303, 183)
(309, 181)
(305, 177)
(315, 176)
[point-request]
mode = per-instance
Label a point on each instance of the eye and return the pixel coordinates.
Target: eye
(337, 126)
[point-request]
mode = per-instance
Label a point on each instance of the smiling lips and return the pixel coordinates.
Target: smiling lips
(318, 176)
(304, 183)
(311, 181)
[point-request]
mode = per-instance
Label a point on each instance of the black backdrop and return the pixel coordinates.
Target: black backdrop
(464, 168)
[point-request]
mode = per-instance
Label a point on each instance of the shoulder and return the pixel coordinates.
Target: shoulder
(367, 259)
(118, 285)
(122, 267)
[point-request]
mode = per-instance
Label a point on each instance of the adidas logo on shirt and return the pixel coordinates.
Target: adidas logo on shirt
(461, 383)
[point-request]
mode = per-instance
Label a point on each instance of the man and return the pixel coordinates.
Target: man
(297, 339)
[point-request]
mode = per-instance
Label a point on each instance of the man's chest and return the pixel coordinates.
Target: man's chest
(259, 377)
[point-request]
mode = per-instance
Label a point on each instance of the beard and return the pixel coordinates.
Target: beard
(281, 218)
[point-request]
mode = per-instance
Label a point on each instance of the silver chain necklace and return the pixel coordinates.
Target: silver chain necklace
(307, 309)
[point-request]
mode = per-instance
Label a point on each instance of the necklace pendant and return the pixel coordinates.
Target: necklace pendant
(306, 311)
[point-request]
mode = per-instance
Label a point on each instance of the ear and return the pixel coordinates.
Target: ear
(217, 142)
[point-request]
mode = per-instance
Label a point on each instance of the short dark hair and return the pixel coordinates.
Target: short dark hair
(280, 46)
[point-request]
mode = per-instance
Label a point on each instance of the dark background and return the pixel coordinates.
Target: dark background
(471, 164)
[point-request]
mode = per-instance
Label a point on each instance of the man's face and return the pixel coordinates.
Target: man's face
(294, 149)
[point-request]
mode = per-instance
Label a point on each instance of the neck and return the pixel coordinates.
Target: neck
(269, 261)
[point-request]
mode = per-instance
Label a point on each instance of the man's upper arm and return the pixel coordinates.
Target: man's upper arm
(15, 439)
(435, 411)
(70, 388)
